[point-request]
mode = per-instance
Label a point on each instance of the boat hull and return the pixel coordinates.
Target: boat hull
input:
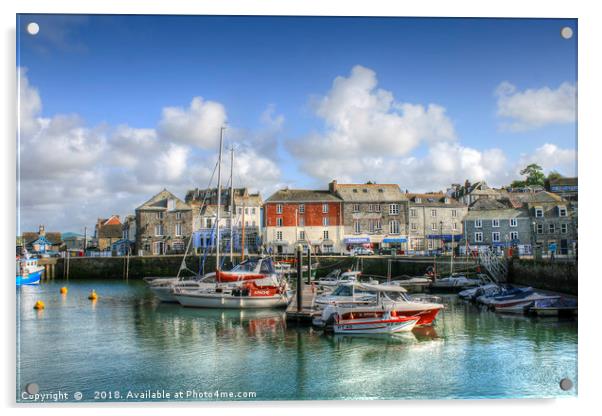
(32, 278)
(220, 301)
(388, 326)
(164, 294)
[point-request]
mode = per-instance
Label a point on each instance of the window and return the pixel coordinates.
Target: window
(562, 211)
(374, 225)
(208, 222)
(254, 224)
(454, 213)
(278, 235)
(552, 228)
(454, 226)
(418, 200)
(433, 212)
(376, 207)
(301, 221)
(171, 204)
(356, 207)
(413, 226)
(159, 215)
(179, 215)
(301, 235)
(539, 212)
(431, 245)
(434, 226)
(246, 211)
(253, 211)
(514, 236)
(324, 208)
(178, 229)
(357, 227)
(478, 223)
(539, 228)
(564, 228)
(159, 230)
(412, 212)
(325, 234)
(370, 208)
(301, 208)
(513, 222)
(240, 210)
(495, 223)
(394, 227)
(278, 209)
(279, 222)
(495, 237)
(325, 221)
(478, 237)
(393, 209)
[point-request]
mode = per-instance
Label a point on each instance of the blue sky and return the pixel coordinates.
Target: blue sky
(274, 78)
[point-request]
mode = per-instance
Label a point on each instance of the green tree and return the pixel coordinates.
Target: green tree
(552, 175)
(535, 175)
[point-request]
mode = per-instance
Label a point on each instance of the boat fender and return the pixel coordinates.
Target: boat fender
(93, 295)
(63, 290)
(39, 305)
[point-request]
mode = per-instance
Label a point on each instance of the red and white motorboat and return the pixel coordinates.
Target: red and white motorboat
(376, 308)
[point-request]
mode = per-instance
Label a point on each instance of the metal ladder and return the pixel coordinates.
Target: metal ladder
(495, 264)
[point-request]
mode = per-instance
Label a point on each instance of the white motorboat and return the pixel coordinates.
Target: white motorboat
(456, 283)
(163, 288)
(371, 320)
(335, 279)
(380, 297)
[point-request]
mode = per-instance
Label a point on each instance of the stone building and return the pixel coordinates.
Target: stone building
(163, 225)
(312, 218)
(374, 215)
(42, 241)
(553, 222)
(496, 225)
(469, 193)
(106, 232)
(244, 209)
(435, 220)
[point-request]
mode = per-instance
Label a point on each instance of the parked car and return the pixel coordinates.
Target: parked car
(390, 252)
(362, 251)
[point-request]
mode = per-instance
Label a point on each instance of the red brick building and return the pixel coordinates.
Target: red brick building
(312, 218)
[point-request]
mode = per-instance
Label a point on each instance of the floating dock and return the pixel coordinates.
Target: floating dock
(308, 309)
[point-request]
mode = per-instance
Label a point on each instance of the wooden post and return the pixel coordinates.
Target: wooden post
(299, 278)
(308, 266)
(389, 271)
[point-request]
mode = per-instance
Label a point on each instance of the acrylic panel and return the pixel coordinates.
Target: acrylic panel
(237, 208)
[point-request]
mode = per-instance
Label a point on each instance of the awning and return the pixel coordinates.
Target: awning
(445, 237)
(356, 240)
(395, 240)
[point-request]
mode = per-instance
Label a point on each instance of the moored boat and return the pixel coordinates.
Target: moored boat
(554, 307)
(367, 320)
(29, 272)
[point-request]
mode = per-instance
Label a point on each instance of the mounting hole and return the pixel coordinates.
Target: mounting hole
(566, 384)
(566, 32)
(32, 388)
(33, 28)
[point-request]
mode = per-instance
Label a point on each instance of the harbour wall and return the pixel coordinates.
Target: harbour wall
(139, 267)
(557, 276)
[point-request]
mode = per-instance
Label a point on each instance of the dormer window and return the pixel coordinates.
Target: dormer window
(562, 212)
(418, 200)
(538, 212)
(171, 204)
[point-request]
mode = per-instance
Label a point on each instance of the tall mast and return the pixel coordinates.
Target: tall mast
(242, 245)
(219, 192)
(231, 204)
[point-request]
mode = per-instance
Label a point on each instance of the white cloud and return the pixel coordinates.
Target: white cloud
(368, 135)
(361, 118)
(198, 125)
(72, 173)
(551, 157)
(533, 108)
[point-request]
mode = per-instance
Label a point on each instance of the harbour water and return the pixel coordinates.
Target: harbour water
(128, 346)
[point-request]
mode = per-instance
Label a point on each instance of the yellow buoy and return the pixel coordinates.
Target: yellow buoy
(63, 290)
(93, 295)
(39, 305)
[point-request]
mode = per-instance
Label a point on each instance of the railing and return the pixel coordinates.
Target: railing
(495, 264)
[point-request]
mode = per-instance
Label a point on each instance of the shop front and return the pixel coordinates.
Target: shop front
(397, 245)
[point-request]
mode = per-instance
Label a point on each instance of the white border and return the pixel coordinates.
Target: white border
(590, 70)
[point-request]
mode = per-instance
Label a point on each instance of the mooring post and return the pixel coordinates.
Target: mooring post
(299, 278)
(309, 266)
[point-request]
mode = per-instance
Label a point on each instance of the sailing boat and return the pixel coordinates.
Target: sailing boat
(252, 284)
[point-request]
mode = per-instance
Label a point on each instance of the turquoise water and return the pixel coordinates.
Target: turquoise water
(127, 344)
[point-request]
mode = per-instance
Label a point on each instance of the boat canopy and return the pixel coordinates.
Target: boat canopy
(367, 287)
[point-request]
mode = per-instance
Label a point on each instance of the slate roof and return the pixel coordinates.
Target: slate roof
(491, 214)
(487, 203)
(435, 199)
(159, 202)
(370, 192)
(302, 195)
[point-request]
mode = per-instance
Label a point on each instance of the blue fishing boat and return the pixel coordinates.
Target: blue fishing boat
(29, 272)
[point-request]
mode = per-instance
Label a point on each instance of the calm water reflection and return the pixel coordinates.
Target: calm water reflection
(128, 341)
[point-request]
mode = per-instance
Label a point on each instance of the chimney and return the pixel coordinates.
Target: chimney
(41, 231)
(332, 186)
